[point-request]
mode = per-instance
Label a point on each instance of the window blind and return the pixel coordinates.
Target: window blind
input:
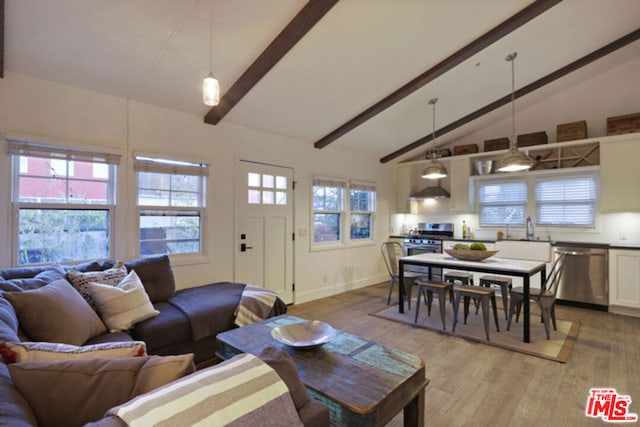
(30, 149)
(502, 203)
(566, 201)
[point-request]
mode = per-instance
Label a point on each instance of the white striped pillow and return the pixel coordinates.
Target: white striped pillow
(123, 305)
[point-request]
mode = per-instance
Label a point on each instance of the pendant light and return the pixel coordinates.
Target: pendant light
(434, 169)
(514, 160)
(210, 85)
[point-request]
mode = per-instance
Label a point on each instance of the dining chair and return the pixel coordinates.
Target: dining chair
(390, 252)
(545, 297)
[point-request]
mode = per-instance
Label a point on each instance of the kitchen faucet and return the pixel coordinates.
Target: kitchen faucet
(530, 231)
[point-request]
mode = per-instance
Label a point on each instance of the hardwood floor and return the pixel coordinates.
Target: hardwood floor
(480, 385)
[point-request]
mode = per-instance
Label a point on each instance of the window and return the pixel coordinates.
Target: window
(328, 209)
(330, 215)
(566, 201)
(171, 205)
(502, 203)
(362, 201)
(63, 212)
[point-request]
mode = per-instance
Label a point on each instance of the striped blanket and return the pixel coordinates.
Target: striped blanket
(255, 305)
(243, 391)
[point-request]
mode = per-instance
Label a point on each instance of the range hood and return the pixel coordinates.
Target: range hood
(436, 192)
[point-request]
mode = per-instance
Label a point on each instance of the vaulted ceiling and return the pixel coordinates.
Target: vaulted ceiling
(349, 74)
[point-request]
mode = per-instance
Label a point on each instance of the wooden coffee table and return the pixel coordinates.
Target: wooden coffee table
(363, 383)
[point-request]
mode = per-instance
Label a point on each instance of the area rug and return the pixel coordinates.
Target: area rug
(558, 348)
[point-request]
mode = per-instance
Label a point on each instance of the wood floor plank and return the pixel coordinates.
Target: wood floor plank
(480, 385)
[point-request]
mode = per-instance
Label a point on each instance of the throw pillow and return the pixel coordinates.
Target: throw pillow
(156, 275)
(123, 305)
(284, 365)
(75, 392)
(45, 351)
(80, 280)
(25, 278)
(56, 313)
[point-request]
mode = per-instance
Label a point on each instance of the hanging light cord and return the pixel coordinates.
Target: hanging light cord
(434, 152)
(211, 36)
(513, 97)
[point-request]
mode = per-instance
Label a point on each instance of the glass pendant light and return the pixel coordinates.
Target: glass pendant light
(434, 169)
(514, 160)
(210, 85)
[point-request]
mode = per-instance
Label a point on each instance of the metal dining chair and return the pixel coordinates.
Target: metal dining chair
(390, 252)
(545, 297)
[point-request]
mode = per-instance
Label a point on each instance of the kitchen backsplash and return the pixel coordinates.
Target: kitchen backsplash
(612, 228)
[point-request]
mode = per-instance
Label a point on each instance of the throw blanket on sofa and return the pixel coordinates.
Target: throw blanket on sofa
(255, 305)
(210, 308)
(243, 391)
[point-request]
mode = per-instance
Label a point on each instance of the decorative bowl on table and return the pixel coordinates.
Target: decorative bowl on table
(304, 335)
(469, 254)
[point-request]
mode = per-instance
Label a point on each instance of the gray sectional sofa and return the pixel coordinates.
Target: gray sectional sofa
(182, 334)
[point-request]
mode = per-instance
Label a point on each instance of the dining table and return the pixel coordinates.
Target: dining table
(494, 265)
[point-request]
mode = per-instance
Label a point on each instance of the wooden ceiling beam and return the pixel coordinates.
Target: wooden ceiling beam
(493, 35)
(308, 16)
(575, 65)
(1, 39)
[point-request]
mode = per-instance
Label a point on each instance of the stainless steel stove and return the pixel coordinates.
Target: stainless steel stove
(427, 238)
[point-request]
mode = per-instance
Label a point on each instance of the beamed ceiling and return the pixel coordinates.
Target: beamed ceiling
(344, 74)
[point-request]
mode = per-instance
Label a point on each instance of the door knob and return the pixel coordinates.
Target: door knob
(244, 247)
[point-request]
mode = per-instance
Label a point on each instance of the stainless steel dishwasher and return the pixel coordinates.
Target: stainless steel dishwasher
(585, 281)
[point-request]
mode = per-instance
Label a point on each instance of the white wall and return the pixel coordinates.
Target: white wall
(82, 117)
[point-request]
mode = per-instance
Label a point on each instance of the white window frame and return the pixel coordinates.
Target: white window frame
(345, 212)
(531, 178)
(591, 200)
(163, 164)
(485, 204)
(371, 212)
(340, 211)
(19, 150)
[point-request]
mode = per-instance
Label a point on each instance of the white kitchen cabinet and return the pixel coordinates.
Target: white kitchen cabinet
(624, 281)
(459, 173)
(620, 175)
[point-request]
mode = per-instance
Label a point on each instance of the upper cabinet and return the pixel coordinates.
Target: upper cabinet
(620, 174)
(460, 171)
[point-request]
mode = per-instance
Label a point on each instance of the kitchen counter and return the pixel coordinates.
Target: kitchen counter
(632, 246)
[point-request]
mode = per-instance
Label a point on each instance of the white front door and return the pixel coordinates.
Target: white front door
(264, 227)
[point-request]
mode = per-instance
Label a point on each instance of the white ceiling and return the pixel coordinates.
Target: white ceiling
(157, 52)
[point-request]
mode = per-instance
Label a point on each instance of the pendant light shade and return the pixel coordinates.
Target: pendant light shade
(210, 91)
(210, 85)
(434, 169)
(514, 160)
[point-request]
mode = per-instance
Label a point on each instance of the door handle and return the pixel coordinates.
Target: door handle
(244, 247)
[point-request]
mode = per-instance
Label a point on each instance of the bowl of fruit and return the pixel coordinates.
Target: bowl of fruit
(474, 252)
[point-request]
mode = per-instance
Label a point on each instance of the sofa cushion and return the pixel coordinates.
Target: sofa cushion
(169, 327)
(80, 280)
(75, 392)
(14, 352)
(123, 305)
(156, 275)
(56, 313)
(14, 408)
(8, 321)
(26, 278)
